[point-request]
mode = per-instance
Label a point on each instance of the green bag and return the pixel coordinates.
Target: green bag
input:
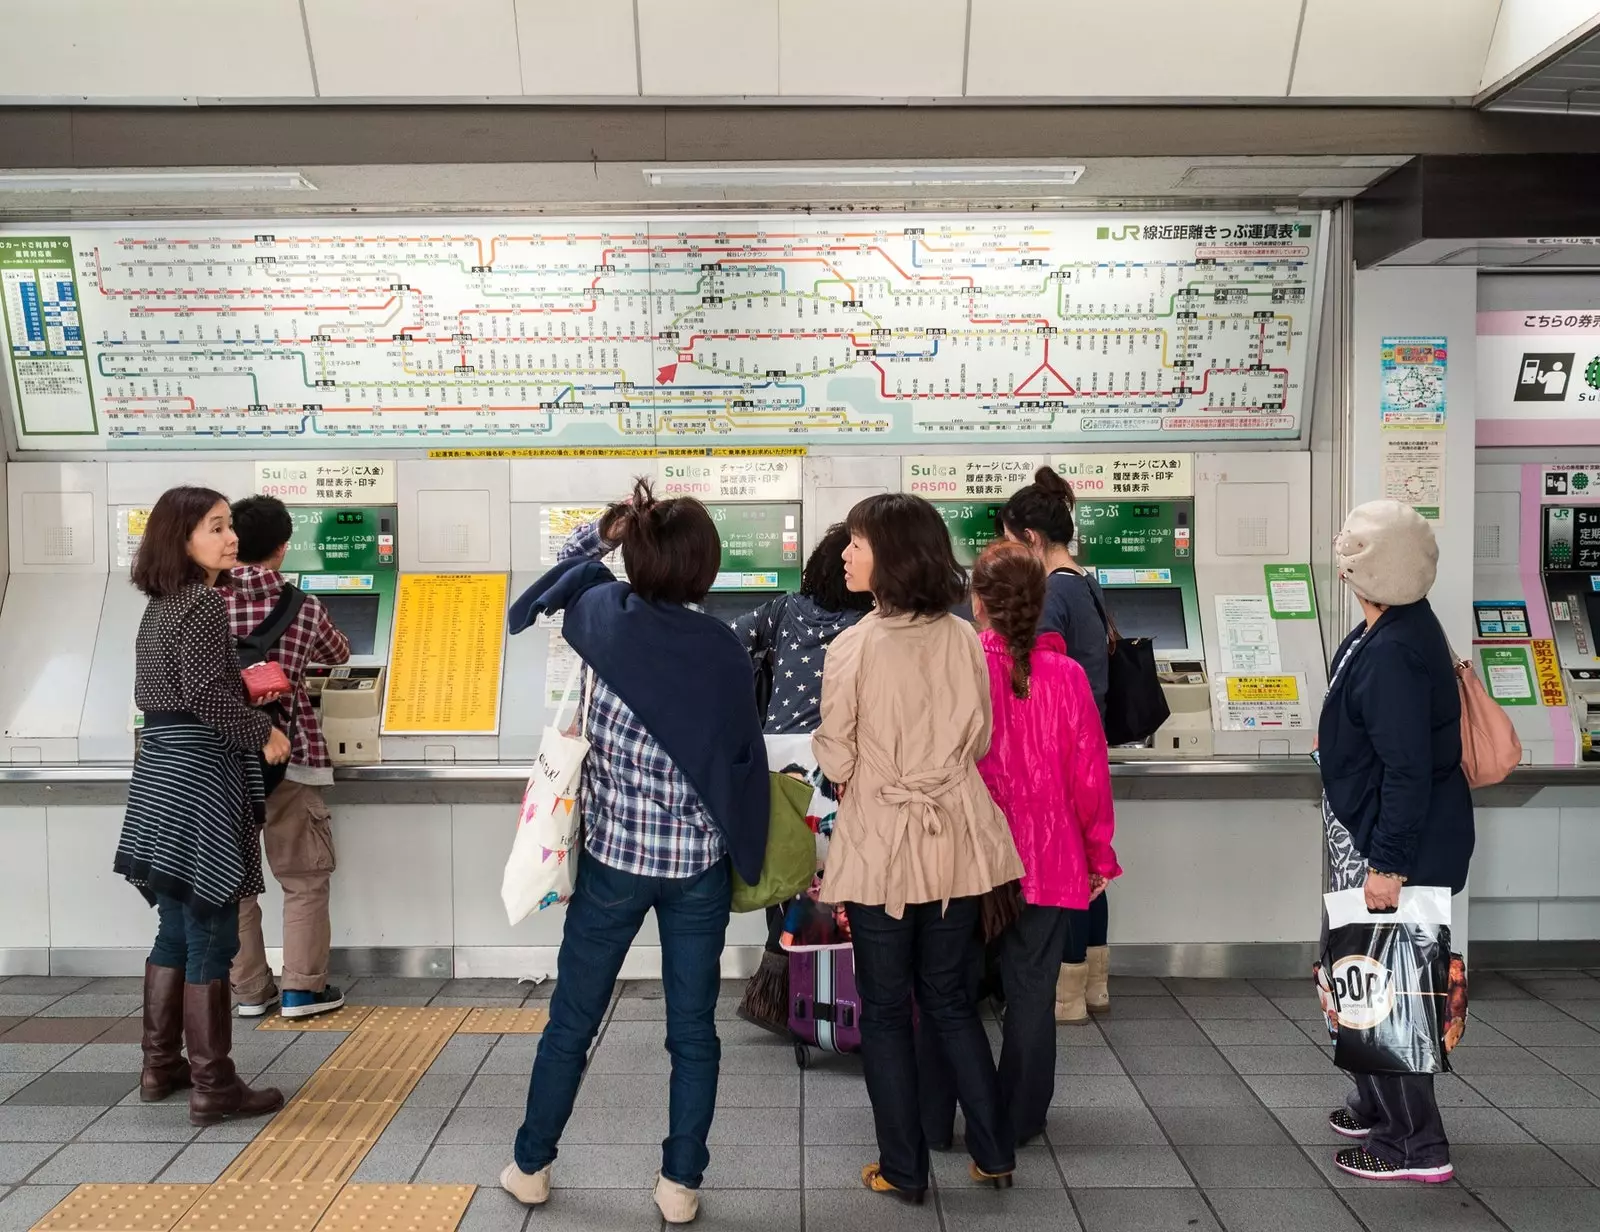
(791, 859)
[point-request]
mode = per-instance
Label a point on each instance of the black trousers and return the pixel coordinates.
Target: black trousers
(1404, 1117)
(1030, 956)
(1088, 927)
(927, 953)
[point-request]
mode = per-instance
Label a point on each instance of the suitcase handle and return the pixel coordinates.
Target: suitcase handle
(842, 1014)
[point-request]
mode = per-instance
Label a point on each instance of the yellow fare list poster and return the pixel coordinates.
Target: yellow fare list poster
(444, 672)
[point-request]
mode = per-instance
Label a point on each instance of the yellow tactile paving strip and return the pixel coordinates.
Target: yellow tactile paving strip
(345, 1018)
(504, 1021)
(398, 1208)
(121, 1208)
(260, 1206)
(294, 1176)
(325, 1131)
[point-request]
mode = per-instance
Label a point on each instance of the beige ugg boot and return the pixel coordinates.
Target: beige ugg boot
(1070, 984)
(677, 1203)
(1098, 995)
(528, 1188)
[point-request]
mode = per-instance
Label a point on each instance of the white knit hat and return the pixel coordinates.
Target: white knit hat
(1387, 553)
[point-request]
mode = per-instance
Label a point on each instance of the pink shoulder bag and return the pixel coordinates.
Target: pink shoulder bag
(1490, 749)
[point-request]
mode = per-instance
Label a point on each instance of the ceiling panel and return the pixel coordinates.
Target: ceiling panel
(1130, 49)
(577, 49)
(871, 48)
(415, 48)
(1422, 49)
(1528, 30)
(708, 48)
(155, 49)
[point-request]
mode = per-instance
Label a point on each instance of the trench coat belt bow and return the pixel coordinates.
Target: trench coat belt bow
(918, 800)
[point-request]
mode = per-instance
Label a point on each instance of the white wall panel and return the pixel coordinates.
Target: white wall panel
(1181, 862)
(1529, 29)
(410, 49)
(571, 48)
(1393, 48)
(1580, 853)
(24, 888)
(708, 47)
(872, 48)
(392, 886)
(1517, 854)
(481, 837)
(90, 906)
(107, 49)
(1135, 48)
(1569, 919)
(1503, 920)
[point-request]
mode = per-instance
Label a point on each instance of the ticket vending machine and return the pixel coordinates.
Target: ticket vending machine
(1570, 565)
(346, 556)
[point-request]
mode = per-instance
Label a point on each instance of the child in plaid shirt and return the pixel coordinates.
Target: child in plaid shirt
(299, 839)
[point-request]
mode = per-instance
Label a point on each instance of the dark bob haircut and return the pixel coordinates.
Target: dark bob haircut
(263, 525)
(1044, 507)
(670, 548)
(823, 579)
(163, 565)
(914, 568)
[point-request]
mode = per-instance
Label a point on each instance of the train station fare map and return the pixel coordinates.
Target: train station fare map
(770, 330)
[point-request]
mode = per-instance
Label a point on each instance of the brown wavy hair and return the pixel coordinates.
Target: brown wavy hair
(670, 548)
(1009, 580)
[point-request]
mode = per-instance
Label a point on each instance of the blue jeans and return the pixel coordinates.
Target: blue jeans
(203, 945)
(607, 908)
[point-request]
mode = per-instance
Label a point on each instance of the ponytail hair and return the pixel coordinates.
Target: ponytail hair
(670, 548)
(1009, 581)
(1045, 507)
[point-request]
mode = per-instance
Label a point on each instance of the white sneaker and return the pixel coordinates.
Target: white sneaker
(677, 1203)
(528, 1188)
(261, 1008)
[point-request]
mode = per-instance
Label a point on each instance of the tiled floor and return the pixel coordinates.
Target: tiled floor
(1198, 1105)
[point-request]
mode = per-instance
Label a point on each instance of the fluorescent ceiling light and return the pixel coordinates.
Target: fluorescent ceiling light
(848, 176)
(156, 182)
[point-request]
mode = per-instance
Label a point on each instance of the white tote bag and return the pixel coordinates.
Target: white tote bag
(544, 857)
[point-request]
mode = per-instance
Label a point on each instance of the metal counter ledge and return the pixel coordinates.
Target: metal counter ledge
(1215, 778)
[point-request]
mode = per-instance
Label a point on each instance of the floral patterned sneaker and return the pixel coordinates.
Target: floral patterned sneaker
(1358, 1161)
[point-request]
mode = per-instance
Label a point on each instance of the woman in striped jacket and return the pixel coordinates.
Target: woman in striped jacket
(190, 838)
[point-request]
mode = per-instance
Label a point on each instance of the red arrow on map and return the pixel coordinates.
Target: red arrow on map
(667, 374)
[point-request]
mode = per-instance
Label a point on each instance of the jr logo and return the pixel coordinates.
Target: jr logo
(1364, 990)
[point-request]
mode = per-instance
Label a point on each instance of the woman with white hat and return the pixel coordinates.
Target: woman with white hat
(1396, 806)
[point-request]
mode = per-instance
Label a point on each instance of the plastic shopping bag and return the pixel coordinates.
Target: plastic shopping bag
(544, 856)
(1388, 978)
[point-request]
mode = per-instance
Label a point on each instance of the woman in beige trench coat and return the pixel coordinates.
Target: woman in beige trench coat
(905, 717)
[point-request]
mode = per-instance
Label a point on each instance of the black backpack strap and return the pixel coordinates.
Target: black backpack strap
(270, 631)
(1109, 625)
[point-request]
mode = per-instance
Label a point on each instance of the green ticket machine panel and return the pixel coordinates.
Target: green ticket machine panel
(761, 555)
(1142, 552)
(1571, 568)
(345, 555)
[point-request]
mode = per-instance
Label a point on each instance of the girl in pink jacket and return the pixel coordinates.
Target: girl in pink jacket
(1048, 770)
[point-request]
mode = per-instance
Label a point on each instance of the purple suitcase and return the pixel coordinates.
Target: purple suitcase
(824, 1007)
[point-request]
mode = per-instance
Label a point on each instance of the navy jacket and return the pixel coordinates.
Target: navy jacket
(685, 677)
(1389, 740)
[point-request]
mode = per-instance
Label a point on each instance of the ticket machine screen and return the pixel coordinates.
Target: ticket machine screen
(1150, 611)
(356, 616)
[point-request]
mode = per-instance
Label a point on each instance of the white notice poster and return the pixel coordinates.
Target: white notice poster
(1249, 636)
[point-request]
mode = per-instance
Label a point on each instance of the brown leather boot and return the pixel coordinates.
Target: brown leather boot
(165, 1070)
(218, 1093)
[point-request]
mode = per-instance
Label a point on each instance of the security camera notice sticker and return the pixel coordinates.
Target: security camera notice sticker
(1254, 703)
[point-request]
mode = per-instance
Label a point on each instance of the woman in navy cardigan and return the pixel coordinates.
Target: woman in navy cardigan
(1396, 806)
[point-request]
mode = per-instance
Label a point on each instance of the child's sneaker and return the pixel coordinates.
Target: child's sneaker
(261, 1008)
(297, 1004)
(1358, 1161)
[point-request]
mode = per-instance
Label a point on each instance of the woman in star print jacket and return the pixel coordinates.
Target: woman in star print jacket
(796, 631)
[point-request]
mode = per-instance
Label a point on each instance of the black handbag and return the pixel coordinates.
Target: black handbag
(1135, 704)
